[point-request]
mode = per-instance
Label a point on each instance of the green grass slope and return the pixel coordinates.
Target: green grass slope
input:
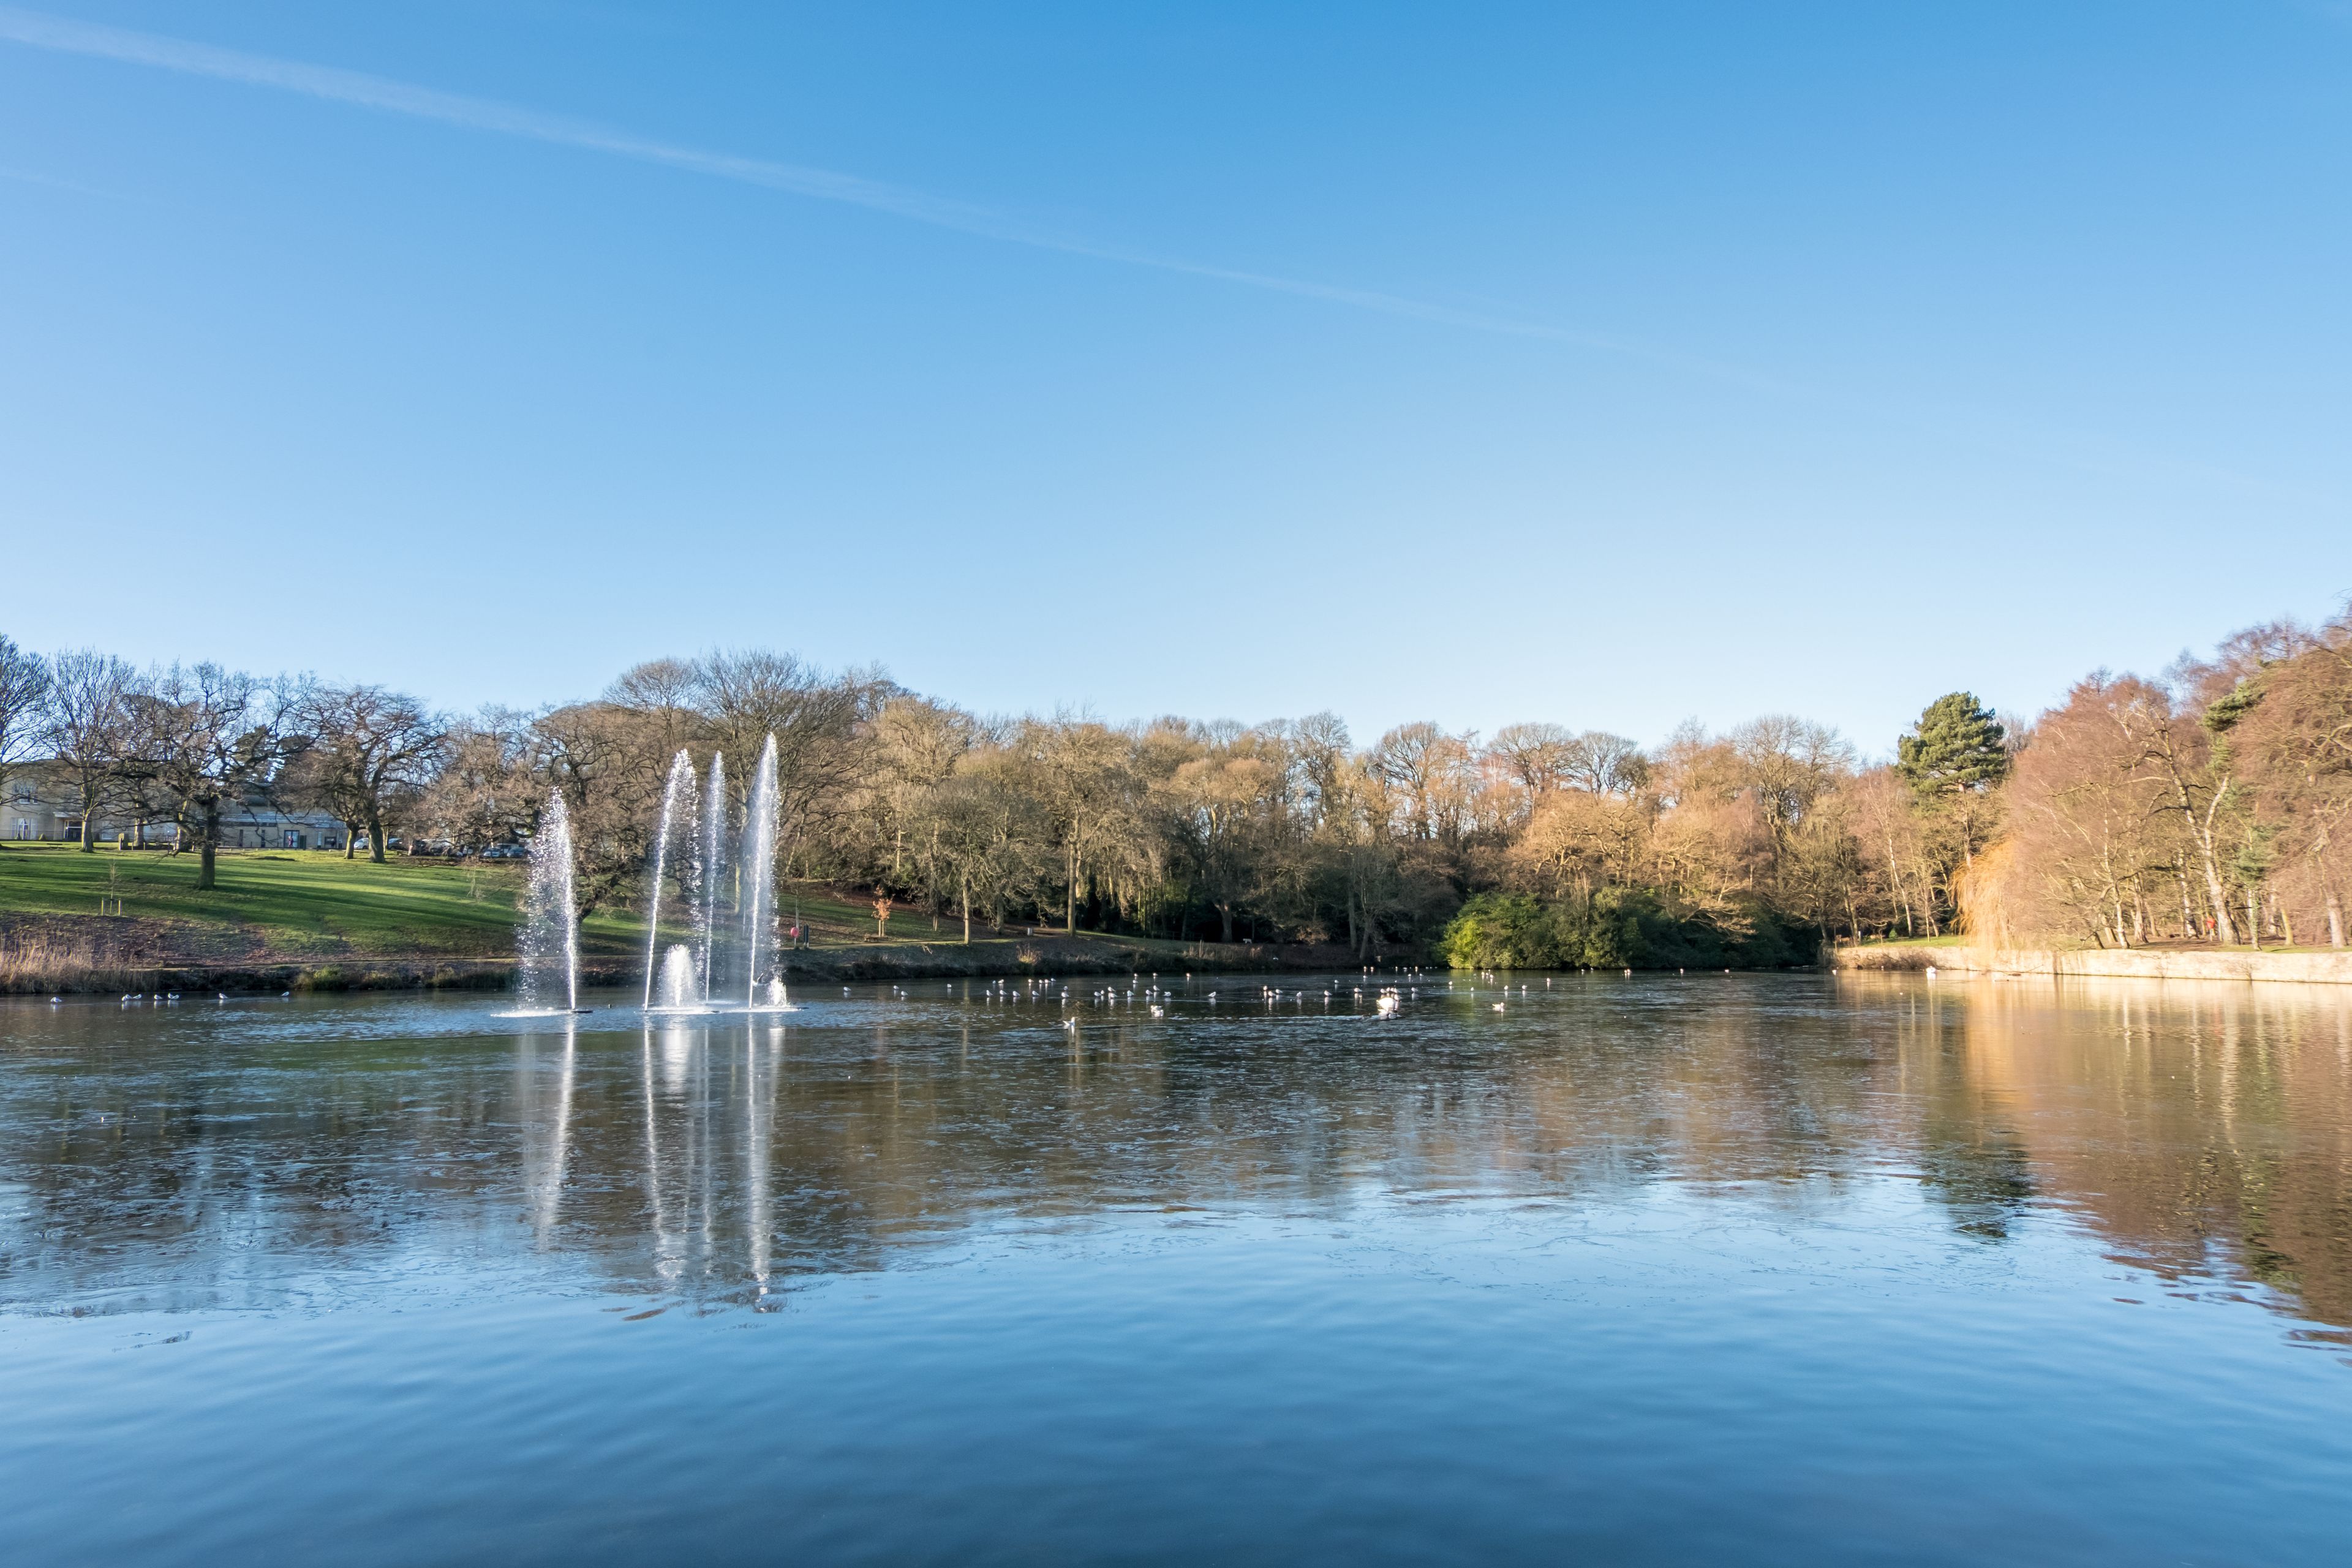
(291, 902)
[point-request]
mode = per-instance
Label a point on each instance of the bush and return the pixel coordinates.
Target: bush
(1502, 930)
(1616, 929)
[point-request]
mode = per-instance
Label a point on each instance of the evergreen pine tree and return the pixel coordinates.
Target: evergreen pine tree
(1955, 746)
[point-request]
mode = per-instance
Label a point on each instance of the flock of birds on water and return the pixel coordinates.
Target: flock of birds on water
(1154, 997)
(164, 998)
(1387, 1001)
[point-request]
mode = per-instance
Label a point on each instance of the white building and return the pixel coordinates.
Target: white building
(41, 802)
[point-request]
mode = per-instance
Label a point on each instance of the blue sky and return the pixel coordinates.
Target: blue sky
(1611, 364)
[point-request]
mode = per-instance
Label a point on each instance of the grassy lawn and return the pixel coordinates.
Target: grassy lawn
(297, 901)
(300, 904)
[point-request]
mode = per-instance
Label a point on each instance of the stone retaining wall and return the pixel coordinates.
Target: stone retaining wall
(2239, 964)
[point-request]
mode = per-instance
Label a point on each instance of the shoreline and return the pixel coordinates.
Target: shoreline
(90, 972)
(2239, 964)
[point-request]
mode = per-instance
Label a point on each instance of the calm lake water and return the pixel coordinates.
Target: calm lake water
(1720, 1269)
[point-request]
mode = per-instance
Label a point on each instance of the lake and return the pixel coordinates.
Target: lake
(1729, 1268)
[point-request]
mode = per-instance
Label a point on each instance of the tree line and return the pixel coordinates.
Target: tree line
(2205, 804)
(2209, 803)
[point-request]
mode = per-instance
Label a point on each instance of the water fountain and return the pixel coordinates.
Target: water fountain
(547, 977)
(679, 990)
(762, 987)
(678, 792)
(713, 838)
(731, 951)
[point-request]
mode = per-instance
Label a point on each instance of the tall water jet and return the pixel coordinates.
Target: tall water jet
(678, 792)
(548, 967)
(680, 990)
(714, 875)
(759, 873)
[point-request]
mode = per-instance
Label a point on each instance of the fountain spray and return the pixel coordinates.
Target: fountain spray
(681, 787)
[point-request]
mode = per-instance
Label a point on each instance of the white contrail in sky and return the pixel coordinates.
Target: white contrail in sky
(38, 30)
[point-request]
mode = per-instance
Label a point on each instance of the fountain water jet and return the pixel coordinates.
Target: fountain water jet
(680, 788)
(679, 990)
(713, 837)
(692, 832)
(759, 872)
(547, 972)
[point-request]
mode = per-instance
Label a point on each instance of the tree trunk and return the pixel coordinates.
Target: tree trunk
(351, 839)
(2335, 921)
(211, 835)
(964, 879)
(375, 836)
(89, 826)
(1070, 907)
(2224, 929)
(1226, 913)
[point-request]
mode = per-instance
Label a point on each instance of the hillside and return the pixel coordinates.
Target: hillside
(133, 920)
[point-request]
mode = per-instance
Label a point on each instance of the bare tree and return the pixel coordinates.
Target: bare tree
(2093, 824)
(1080, 771)
(365, 748)
(489, 785)
(607, 761)
(664, 691)
(2292, 722)
(1789, 764)
(1606, 764)
(1428, 773)
(207, 737)
(1228, 803)
(24, 695)
(990, 839)
(2179, 753)
(747, 695)
(86, 728)
(1540, 757)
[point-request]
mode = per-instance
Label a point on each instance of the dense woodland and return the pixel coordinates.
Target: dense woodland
(2206, 804)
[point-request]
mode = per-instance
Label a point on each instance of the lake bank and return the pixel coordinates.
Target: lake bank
(2233, 963)
(87, 955)
(305, 920)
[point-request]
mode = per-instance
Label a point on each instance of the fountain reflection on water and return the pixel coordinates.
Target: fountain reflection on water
(544, 1173)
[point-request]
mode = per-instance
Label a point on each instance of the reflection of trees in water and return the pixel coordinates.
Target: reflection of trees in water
(1983, 1177)
(2203, 1131)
